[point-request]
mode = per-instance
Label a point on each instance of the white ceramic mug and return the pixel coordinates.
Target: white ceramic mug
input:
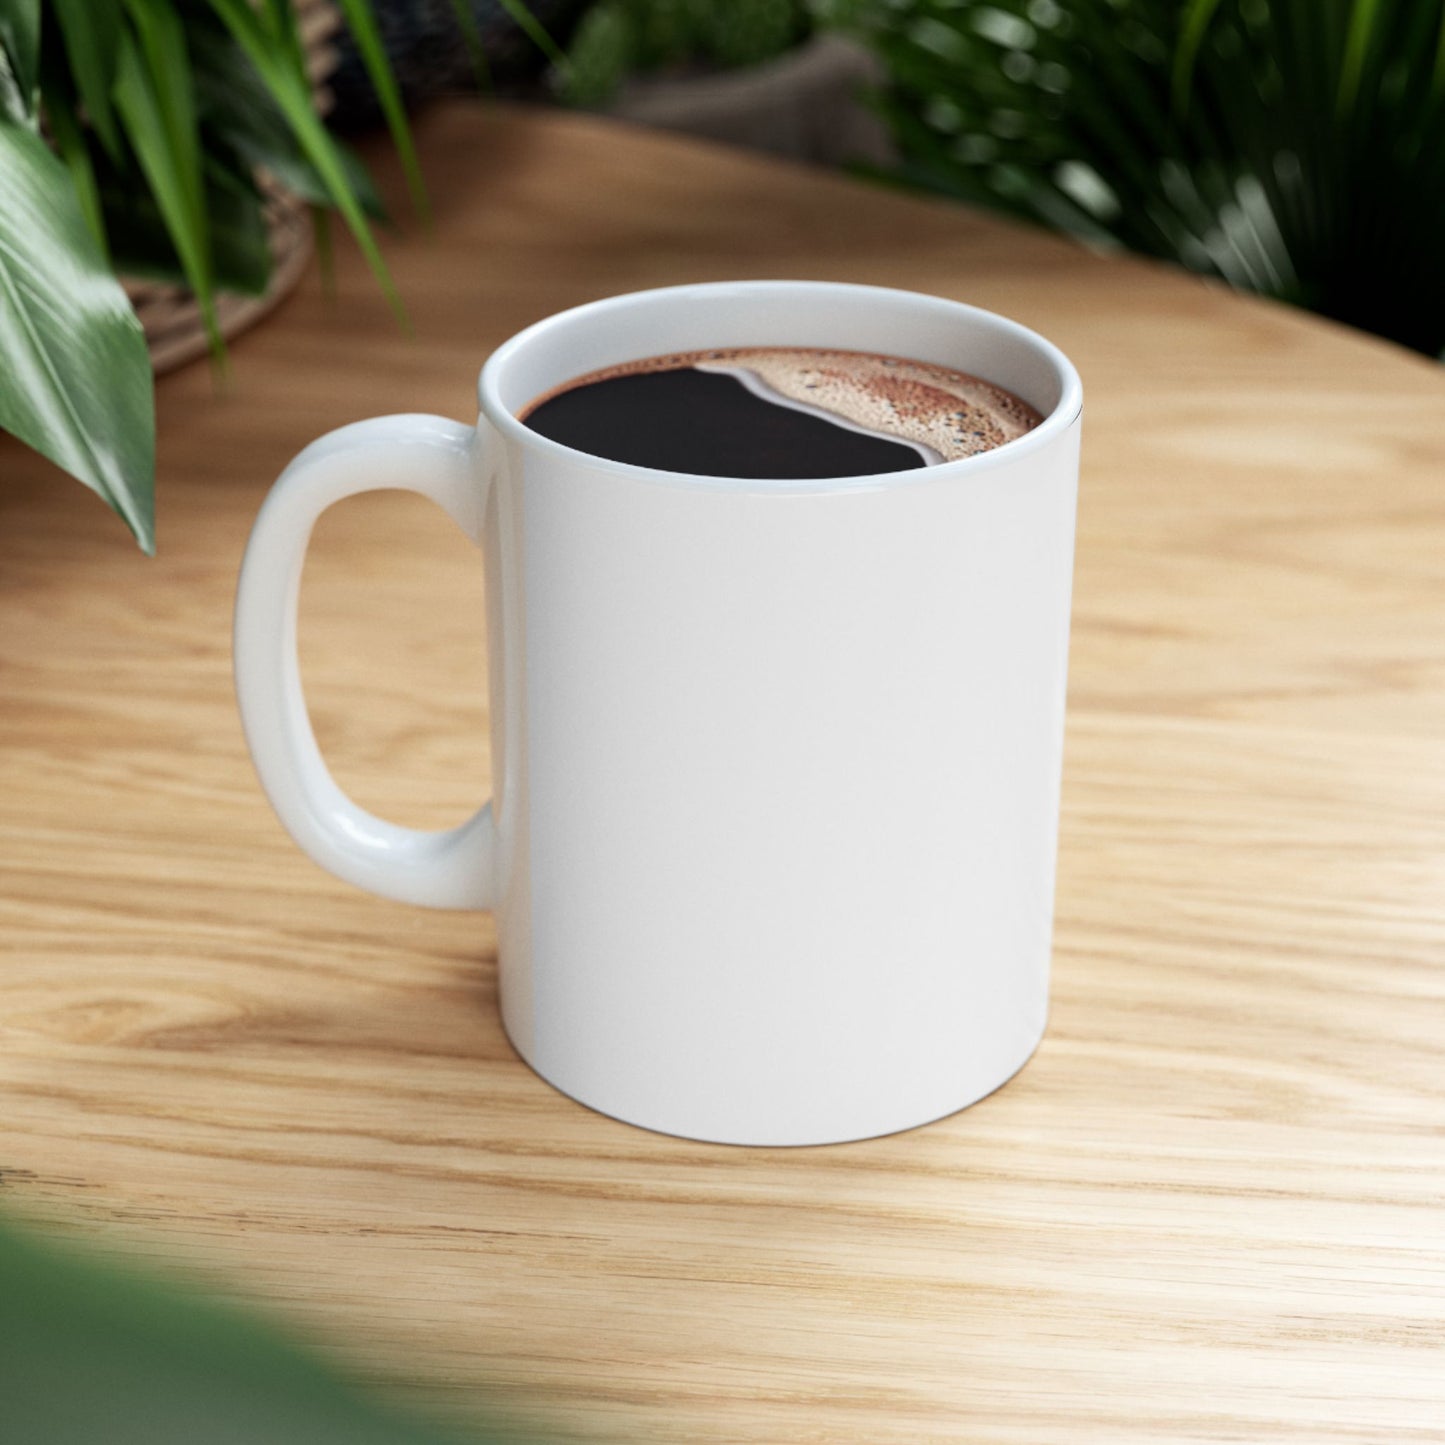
(772, 842)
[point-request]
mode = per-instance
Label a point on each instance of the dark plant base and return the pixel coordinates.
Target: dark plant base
(430, 57)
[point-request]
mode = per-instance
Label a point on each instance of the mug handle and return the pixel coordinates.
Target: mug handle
(440, 459)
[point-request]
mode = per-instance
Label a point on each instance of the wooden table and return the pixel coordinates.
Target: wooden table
(1209, 1209)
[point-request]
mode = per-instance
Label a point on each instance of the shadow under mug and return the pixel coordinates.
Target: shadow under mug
(773, 836)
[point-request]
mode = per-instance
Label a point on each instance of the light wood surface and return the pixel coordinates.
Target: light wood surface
(1209, 1210)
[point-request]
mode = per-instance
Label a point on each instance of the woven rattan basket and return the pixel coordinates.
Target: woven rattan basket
(168, 313)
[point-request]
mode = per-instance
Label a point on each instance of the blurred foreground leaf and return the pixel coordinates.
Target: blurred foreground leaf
(93, 1354)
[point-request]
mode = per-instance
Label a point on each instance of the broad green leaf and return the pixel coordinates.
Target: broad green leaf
(76, 154)
(91, 30)
(14, 107)
(294, 100)
(20, 40)
(154, 105)
(362, 24)
(75, 377)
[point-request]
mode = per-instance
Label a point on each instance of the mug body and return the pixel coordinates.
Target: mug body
(777, 763)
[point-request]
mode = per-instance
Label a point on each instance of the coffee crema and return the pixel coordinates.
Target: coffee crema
(780, 412)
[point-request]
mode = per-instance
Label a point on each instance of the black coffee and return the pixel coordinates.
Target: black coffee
(780, 413)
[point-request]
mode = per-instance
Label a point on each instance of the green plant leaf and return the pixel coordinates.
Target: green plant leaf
(70, 143)
(747, 32)
(535, 31)
(240, 244)
(297, 174)
(13, 105)
(1437, 76)
(91, 30)
(153, 101)
(1195, 21)
(163, 45)
(602, 50)
(1365, 19)
(362, 24)
(1295, 147)
(236, 107)
(141, 245)
(471, 35)
(92, 1352)
(287, 29)
(293, 98)
(75, 377)
(20, 41)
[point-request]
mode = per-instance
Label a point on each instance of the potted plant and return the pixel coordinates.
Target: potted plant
(760, 73)
(178, 143)
(1293, 150)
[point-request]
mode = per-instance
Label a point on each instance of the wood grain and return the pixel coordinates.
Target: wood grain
(1209, 1210)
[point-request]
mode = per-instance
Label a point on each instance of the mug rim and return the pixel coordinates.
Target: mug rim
(1059, 419)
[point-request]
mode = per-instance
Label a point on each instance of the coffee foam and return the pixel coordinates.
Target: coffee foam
(945, 414)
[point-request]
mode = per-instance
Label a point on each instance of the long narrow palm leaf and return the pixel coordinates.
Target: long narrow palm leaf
(294, 100)
(362, 23)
